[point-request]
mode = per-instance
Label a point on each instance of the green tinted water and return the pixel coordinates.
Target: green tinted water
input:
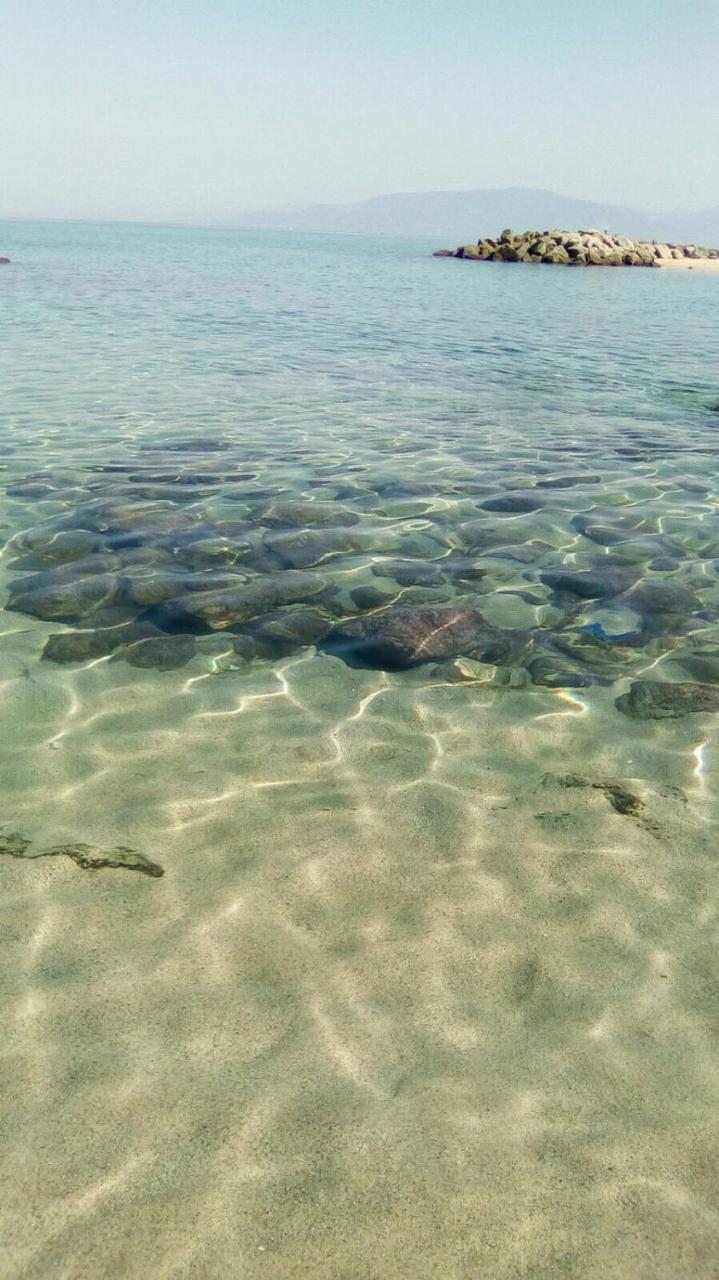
(373, 599)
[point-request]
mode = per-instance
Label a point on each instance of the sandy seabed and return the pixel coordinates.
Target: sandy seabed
(406, 1002)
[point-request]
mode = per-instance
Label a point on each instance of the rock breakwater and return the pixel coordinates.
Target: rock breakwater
(589, 248)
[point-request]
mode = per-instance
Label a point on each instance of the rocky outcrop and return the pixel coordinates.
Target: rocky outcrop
(590, 248)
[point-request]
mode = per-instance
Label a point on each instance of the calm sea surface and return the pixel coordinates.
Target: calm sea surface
(359, 670)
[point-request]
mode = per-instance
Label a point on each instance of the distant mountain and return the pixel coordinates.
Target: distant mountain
(457, 216)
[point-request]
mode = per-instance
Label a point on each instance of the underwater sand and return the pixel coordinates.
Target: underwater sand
(428, 986)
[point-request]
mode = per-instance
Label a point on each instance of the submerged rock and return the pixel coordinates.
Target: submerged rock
(588, 584)
(62, 547)
(64, 601)
(660, 700)
(82, 646)
(279, 634)
(616, 625)
(552, 673)
(308, 547)
(515, 503)
(400, 637)
(409, 573)
(607, 528)
(298, 514)
(568, 482)
(203, 444)
(651, 597)
(165, 653)
(233, 606)
(370, 597)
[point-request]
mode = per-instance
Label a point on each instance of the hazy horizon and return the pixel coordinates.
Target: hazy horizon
(171, 113)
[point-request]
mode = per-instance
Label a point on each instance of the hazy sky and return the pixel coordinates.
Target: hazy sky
(194, 110)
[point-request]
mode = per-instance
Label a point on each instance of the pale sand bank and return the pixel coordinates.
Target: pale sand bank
(689, 264)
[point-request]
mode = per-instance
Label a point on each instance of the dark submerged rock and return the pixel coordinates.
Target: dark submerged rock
(370, 597)
(567, 482)
(308, 547)
(83, 646)
(233, 606)
(660, 700)
(552, 673)
(299, 514)
(202, 444)
(651, 597)
(65, 601)
(165, 653)
(400, 637)
(279, 634)
(515, 503)
(588, 584)
(60, 548)
(607, 529)
(409, 573)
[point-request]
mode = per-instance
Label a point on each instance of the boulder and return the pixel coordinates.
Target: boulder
(307, 547)
(165, 653)
(84, 646)
(205, 611)
(513, 503)
(299, 514)
(659, 700)
(400, 637)
(409, 573)
(588, 584)
(65, 601)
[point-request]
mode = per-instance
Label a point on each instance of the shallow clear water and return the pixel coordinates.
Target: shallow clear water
(374, 600)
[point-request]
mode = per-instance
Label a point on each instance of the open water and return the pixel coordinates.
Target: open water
(359, 673)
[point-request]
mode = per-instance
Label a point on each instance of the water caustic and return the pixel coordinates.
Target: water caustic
(372, 611)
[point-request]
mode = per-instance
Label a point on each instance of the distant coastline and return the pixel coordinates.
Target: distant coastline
(584, 248)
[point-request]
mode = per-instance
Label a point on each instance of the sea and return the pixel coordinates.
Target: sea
(359, 679)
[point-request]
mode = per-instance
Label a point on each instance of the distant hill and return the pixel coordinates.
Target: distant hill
(456, 216)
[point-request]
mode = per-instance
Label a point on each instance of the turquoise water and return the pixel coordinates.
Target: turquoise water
(372, 602)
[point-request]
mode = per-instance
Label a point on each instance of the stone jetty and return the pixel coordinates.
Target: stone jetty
(591, 248)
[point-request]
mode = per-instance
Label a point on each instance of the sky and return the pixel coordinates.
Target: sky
(200, 110)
